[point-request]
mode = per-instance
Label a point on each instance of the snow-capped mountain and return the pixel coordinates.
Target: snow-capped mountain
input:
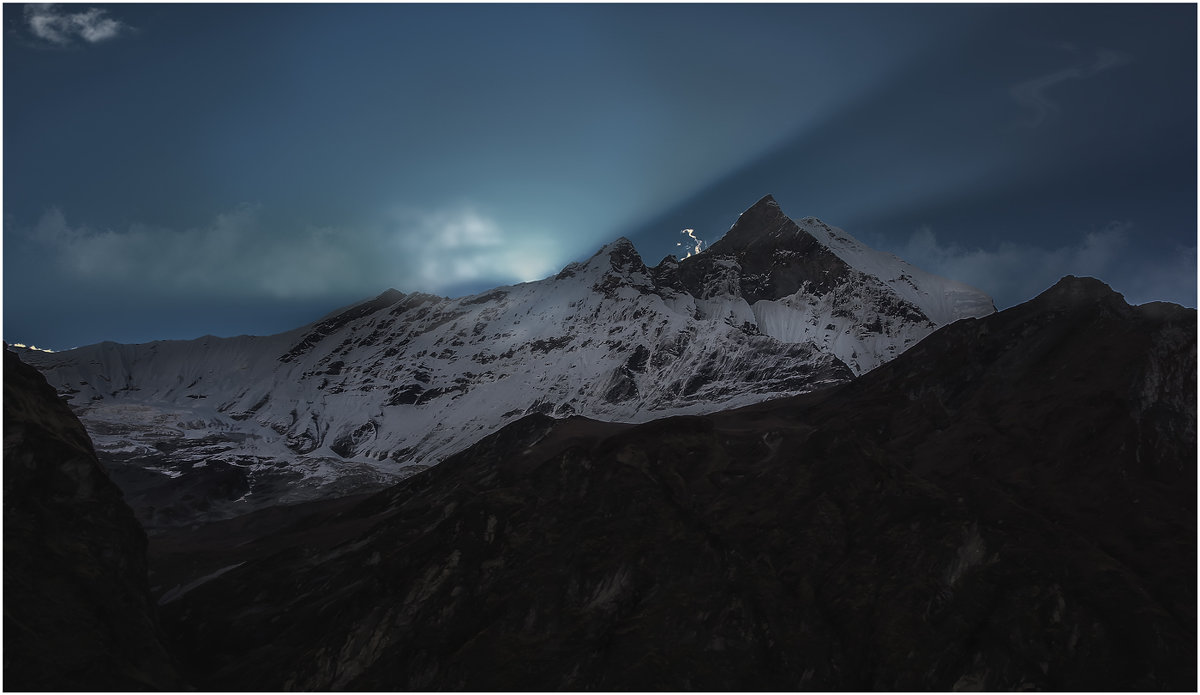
(394, 384)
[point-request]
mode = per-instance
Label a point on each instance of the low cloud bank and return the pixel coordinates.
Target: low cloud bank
(241, 253)
(1013, 273)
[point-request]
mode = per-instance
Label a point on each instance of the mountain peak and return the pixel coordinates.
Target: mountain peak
(767, 201)
(1082, 287)
(762, 222)
(1072, 291)
(776, 257)
(618, 243)
(619, 253)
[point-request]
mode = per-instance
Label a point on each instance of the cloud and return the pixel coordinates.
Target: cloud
(459, 245)
(1013, 273)
(241, 253)
(232, 254)
(1173, 279)
(1032, 94)
(50, 23)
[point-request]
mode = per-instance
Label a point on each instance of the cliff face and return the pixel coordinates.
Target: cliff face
(1009, 505)
(77, 610)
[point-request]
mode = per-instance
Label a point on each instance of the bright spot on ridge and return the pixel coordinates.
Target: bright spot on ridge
(699, 245)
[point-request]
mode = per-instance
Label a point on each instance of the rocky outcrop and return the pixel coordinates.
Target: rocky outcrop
(77, 609)
(775, 258)
(1010, 505)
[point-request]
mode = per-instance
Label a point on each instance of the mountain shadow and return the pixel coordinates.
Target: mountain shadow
(77, 607)
(1010, 504)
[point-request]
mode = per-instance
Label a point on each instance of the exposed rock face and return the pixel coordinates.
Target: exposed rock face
(219, 427)
(77, 609)
(1009, 505)
(774, 256)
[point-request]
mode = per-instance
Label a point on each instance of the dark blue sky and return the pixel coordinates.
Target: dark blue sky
(177, 170)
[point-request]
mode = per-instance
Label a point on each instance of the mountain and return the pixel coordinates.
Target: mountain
(215, 427)
(77, 608)
(1009, 505)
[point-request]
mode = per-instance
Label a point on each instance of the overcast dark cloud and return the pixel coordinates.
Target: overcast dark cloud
(178, 170)
(1015, 271)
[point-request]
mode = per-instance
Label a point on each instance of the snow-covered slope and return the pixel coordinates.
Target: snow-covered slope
(942, 300)
(808, 281)
(394, 384)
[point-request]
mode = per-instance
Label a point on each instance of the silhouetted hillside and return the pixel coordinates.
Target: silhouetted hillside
(1008, 505)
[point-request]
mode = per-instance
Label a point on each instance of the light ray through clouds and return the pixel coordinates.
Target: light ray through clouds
(453, 247)
(876, 118)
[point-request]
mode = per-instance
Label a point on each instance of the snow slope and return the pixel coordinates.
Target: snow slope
(942, 300)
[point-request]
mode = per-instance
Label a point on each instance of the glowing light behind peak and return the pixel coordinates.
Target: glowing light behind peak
(698, 243)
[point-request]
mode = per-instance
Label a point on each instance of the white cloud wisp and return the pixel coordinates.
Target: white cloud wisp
(1033, 93)
(93, 25)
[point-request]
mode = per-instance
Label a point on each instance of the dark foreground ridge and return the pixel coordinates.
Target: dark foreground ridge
(77, 608)
(1008, 505)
